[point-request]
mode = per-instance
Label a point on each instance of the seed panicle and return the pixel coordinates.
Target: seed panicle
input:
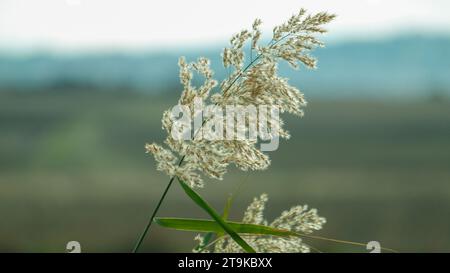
(257, 83)
(297, 219)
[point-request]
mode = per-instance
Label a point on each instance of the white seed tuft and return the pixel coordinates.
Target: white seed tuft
(258, 83)
(297, 219)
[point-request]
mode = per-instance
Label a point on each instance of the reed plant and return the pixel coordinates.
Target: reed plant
(197, 148)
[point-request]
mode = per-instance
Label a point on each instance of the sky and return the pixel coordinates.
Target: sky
(73, 25)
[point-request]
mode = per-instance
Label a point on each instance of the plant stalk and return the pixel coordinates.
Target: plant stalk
(155, 211)
(141, 238)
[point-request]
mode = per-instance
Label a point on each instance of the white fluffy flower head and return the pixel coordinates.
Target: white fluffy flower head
(298, 219)
(252, 81)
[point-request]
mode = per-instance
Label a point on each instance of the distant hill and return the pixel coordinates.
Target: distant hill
(415, 66)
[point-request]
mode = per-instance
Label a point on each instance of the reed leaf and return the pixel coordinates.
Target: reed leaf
(201, 225)
(216, 217)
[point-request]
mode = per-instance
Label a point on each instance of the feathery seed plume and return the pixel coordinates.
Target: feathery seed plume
(297, 219)
(251, 82)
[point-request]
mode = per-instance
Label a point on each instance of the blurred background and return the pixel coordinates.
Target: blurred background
(83, 85)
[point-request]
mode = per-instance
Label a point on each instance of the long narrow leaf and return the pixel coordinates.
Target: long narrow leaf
(208, 236)
(226, 212)
(215, 216)
(200, 225)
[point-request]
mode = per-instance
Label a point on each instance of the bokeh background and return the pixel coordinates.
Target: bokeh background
(83, 85)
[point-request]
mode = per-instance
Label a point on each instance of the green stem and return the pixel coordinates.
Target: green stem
(155, 211)
(141, 238)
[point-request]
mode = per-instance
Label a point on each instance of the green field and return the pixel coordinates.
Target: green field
(73, 167)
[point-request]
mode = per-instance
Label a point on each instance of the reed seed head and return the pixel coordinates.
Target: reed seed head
(252, 81)
(297, 219)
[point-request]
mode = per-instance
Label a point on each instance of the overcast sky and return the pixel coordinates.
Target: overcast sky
(124, 24)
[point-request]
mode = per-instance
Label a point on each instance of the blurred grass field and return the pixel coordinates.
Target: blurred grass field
(73, 167)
